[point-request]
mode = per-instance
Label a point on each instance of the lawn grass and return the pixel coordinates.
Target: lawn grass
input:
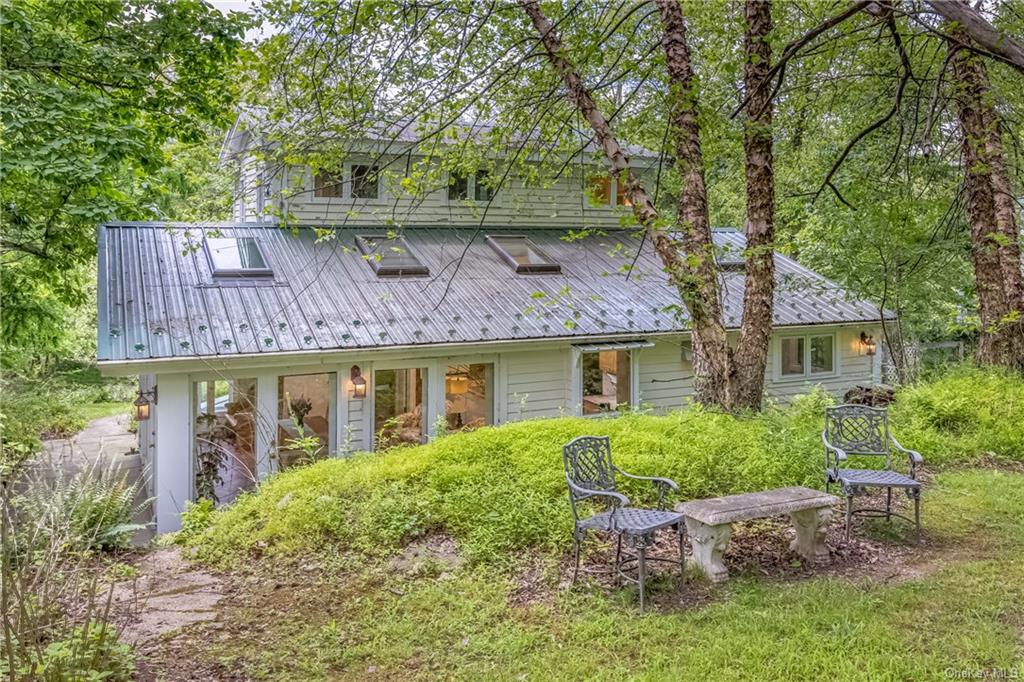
(965, 611)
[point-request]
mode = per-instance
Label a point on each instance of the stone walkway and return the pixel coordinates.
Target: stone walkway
(167, 595)
(102, 441)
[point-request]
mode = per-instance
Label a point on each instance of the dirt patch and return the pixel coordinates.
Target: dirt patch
(433, 555)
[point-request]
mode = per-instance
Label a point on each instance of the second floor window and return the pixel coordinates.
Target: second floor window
(327, 185)
(365, 182)
(482, 189)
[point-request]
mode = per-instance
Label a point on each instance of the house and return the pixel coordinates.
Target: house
(258, 347)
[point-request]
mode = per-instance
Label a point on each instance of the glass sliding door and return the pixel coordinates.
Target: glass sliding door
(398, 407)
(224, 445)
(305, 418)
(469, 396)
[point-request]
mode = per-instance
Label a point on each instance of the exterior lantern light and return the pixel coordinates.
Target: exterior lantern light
(358, 383)
(868, 343)
(142, 404)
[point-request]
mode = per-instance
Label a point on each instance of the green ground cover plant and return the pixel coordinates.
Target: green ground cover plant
(498, 491)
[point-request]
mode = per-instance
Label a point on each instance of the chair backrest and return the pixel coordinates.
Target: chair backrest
(858, 429)
(588, 463)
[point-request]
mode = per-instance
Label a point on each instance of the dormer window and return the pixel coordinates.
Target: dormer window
(236, 257)
(522, 254)
(390, 256)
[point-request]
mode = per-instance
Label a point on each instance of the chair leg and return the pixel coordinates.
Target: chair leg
(917, 517)
(618, 559)
(577, 540)
(642, 570)
(681, 534)
(849, 515)
(888, 504)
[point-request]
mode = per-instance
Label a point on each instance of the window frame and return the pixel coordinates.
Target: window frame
(346, 185)
(266, 272)
(551, 267)
(384, 271)
(471, 187)
(807, 374)
(613, 193)
(576, 382)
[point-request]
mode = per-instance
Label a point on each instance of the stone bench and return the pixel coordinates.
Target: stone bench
(709, 523)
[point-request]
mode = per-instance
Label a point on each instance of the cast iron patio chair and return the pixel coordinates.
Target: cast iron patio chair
(863, 430)
(590, 474)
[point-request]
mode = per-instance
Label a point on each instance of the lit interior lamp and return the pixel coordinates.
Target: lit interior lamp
(358, 383)
(142, 404)
(868, 343)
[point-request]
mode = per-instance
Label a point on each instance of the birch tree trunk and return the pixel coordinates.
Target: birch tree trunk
(751, 354)
(995, 249)
(694, 275)
(712, 356)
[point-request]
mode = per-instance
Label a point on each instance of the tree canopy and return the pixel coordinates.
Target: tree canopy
(92, 95)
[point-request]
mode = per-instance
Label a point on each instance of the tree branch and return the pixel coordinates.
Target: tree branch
(997, 43)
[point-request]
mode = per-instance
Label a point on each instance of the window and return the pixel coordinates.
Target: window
(236, 257)
(793, 356)
(304, 418)
(398, 407)
(365, 182)
(605, 381)
(621, 198)
(458, 187)
(600, 188)
(810, 355)
(468, 396)
(327, 185)
(390, 256)
(522, 254)
(224, 438)
(482, 189)
(821, 355)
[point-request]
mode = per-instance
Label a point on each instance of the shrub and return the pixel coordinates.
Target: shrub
(962, 415)
(89, 652)
(499, 490)
(93, 509)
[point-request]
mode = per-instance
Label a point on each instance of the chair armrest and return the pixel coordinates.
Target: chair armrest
(913, 455)
(583, 493)
(661, 484)
(656, 480)
(839, 453)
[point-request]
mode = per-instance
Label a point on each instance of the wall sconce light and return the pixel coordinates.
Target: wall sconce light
(142, 404)
(358, 383)
(868, 343)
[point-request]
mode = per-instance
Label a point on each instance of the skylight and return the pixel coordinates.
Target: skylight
(522, 254)
(390, 256)
(236, 257)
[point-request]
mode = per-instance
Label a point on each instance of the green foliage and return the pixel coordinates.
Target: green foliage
(56, 404)
(92, 92)
(197, 518)
(94, 509)
(965, 414)
(500, 490)
(90, 653)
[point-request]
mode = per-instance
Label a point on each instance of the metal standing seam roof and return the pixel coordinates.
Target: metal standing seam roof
(158, 298)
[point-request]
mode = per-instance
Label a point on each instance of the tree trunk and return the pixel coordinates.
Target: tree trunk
(713, 363)
(982, 157)
(693, 276)
(756, 330)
